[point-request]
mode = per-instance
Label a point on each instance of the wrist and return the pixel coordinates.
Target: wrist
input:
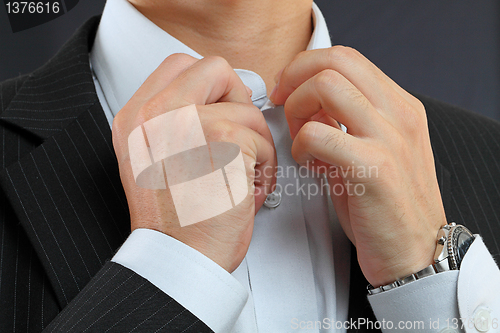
(452, 243)
(401, 258)
(403, 267)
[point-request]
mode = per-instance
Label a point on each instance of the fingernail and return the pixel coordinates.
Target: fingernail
(277, 77)
(250, 92)
(273, 93)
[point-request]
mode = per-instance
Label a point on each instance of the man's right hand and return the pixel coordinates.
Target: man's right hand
(227, 115)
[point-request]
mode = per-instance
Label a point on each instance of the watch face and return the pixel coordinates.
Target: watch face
(461, 241)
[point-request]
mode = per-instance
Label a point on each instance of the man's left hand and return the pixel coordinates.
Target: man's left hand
(381, 172)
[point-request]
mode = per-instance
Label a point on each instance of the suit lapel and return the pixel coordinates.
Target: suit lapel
(55, 94)
(66, 192)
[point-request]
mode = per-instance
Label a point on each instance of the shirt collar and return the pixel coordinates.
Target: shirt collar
(128, 47)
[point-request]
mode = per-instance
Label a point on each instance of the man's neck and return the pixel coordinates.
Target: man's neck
(258, 35)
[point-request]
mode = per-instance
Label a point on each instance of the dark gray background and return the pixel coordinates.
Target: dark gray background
(447, 49)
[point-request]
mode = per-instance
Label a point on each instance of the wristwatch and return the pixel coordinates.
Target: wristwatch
(453, 241)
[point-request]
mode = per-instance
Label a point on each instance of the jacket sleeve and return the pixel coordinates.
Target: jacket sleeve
(119, 300)
(115, 300)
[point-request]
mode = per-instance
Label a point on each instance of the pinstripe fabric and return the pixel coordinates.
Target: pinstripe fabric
(63, 212)
(118, 300)
(468, 146)
(27, 301)
(466, 149)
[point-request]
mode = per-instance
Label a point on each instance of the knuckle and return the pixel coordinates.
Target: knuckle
(419, 105)
(327, 79)
(117, 121)
(293, 65)
(342, 53)
(221, 131)
(118, 125)
(250, 108)
(177, 58)
(303, 136)
(330, 81)
(412, 119)
(217, 62)
(148, 111)
(261, 125)
(300, 55)
(312, 138)
(308, 133)
(141, 118)
(255, 113)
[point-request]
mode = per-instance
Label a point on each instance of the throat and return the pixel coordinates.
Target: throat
(261, 36)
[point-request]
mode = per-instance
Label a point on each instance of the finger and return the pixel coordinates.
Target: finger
(326, 119)
(327, 144)
(338, 98)
(370, 80)
(244, 114)
(257, 152)
(209, 80)
(163, 75)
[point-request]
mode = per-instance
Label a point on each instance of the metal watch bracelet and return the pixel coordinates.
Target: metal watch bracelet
(427, 271)
(443, 261)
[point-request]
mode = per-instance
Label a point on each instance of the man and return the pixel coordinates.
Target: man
(281, 267)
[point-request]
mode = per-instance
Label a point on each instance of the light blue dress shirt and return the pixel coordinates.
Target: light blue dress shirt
(296, 270)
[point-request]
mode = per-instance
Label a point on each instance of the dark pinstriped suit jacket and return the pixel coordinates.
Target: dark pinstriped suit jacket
(63, 212)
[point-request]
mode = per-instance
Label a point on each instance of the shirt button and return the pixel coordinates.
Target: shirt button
(482, 320)
(273, 200)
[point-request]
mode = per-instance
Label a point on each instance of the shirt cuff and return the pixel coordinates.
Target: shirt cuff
(478, 292)
(429, 304)
(192, 279)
